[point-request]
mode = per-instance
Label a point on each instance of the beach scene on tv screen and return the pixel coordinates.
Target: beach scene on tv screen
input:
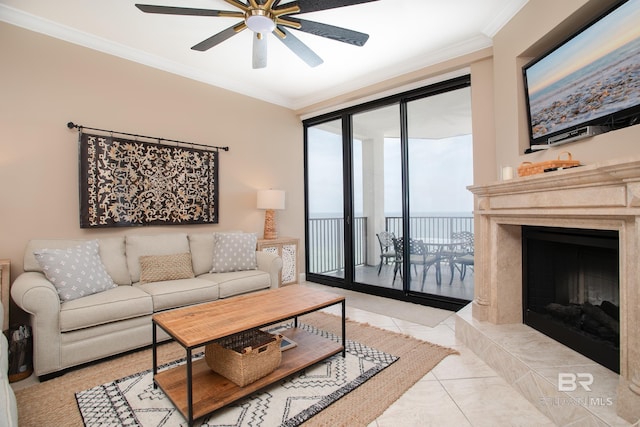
(593, 75)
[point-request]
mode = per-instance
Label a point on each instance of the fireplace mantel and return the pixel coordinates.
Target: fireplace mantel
(599, 196)
(614, 184)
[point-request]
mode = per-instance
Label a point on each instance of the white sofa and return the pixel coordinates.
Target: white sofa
(68, 333)
(8, 408)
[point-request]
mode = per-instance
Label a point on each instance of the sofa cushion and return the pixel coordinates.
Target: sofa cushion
(178, 293)
(201, 246)
(111, 253)
(234, 252)
(159, 244)
(75, 272)
(119, 303)
(239, 282)
(157, 268)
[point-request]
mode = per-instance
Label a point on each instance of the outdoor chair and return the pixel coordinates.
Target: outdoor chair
(463, 258)
(418, 255)
(387, 253)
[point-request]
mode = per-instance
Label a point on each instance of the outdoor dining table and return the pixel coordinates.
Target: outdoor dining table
(444, 249)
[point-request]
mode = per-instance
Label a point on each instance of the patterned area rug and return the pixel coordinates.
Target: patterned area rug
(132, 400)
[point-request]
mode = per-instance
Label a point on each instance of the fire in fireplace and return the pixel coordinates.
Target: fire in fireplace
(571, 289)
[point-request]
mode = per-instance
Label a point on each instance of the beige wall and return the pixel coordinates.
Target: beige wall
(483, 127)
(45, 83)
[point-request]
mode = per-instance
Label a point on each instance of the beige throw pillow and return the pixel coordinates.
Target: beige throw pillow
(156, 268)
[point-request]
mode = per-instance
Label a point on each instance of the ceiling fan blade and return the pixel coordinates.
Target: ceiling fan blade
(219, 38)
(331, 32)
(300, 49)
(316, 5)
(170, 10)
(259, 59)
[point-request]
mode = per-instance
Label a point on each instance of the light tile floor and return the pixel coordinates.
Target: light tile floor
(460, 391)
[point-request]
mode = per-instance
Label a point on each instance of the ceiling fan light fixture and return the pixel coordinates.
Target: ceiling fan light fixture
(259, 21)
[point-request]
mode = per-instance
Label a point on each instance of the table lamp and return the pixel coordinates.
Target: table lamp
(270, 200)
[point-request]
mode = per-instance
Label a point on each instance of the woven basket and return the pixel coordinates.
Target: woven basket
(245, 357)
(529, 168)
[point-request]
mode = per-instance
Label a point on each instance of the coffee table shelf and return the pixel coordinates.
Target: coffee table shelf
(212, 391)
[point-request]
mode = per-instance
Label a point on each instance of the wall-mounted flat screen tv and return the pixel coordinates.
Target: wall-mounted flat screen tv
(589, 81)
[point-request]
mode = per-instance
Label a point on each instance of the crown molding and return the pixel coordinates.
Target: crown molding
(71, 35)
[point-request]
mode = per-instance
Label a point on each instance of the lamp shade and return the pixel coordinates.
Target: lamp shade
(270, 199)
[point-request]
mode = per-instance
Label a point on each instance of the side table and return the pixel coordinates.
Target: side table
(287, 249)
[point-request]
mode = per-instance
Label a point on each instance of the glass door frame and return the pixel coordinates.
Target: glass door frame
(345, 115)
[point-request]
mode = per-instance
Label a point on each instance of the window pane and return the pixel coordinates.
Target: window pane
(325, 198)
(440, 169)
(377, 187)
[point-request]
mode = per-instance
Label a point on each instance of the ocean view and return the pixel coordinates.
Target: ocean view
(589, 93)
(326, 215)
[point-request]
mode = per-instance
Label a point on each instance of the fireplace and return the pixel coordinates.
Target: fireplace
(570, 290)
(602, 199)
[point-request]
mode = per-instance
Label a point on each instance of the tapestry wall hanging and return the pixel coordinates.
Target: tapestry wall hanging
(126, 183)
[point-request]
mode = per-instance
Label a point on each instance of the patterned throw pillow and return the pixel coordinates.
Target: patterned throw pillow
(75, 272)
(156, 268)
(234, 252)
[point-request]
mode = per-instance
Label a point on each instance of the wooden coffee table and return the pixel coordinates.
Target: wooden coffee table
(194, 388)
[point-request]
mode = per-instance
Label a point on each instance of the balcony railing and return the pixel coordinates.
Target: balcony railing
(432, 227)
(326, 237)
(326, 247)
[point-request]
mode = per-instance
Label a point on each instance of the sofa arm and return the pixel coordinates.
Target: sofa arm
(272, 264)
(33, 293)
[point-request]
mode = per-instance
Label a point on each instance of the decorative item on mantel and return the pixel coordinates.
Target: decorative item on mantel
(507, 173)
(270, 200)
(529, 168)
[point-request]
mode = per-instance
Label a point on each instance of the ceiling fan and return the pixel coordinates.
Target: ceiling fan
(267, 16)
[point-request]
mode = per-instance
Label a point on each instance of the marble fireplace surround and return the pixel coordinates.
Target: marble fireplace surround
(598, 196)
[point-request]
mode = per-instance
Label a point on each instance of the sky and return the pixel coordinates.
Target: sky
(608, 34)
(440, 170)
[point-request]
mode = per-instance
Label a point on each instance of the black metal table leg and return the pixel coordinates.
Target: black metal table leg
(344, 335)
(189, 387)
(154, 352)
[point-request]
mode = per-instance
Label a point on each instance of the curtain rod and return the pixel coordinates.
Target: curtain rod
(72, 125)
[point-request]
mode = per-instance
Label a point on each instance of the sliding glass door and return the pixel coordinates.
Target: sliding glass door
(376, 161)
(386, 195)
(440, 167)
